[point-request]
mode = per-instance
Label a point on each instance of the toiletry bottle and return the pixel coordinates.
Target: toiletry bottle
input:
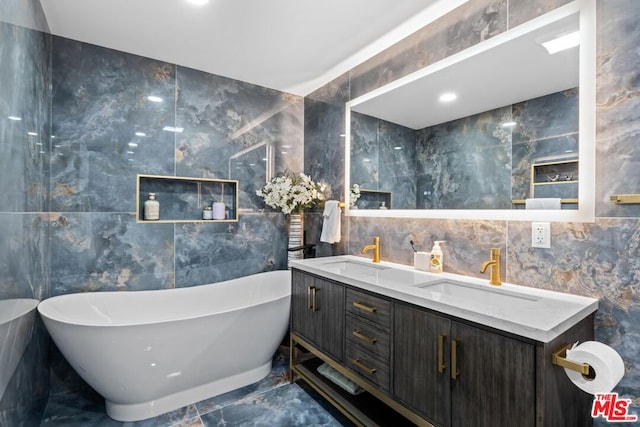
(151, 208)
(436, 257)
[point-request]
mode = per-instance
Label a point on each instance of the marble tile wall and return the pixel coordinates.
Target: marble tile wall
(24, 181)
(596, 259)
(100, 111)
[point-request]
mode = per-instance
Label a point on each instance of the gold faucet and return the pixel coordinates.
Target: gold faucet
(375, 248)
(495, 263)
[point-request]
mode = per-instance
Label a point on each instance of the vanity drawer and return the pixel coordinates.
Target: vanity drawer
(368, 366)
(369, 307)
(365, 335)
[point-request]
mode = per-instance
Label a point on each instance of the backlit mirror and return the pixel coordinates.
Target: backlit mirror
(515, 142)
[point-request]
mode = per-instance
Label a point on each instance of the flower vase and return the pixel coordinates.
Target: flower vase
(296, 231)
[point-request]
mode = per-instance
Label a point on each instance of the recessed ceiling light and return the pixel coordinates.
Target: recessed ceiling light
(15, 118)
(32, 134)
(563, 42)
(141, 134)
(153, 98)
(448, 97)
(509, 124)
(198, 2)
(397, 147)
(132, 144)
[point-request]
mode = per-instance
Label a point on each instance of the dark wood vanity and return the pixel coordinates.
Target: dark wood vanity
(420, 366)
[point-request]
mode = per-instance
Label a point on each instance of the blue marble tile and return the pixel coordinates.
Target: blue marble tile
(324, 144)
(460, 177)
(209, 253)
(106, 130)
(24, 251)
(100, 251)
(521, 11)
(618, 109)
(25, 397)
(224, 120)
(24, 143)
(88, 410)
(276, 378)
(288, 405)
(463, 27)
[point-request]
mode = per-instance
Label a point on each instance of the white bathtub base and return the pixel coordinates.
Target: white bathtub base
(142, 411)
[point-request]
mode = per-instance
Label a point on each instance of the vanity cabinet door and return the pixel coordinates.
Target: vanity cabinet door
(495, 380)
(421, 371)
(317, 312)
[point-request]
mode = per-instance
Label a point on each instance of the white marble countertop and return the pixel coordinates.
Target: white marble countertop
(533, 313)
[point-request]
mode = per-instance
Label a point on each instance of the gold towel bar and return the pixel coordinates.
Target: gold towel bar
(559, 358)
(321, 204)
(623, 199)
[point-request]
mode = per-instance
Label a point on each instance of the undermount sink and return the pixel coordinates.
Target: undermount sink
(477, 294)
(352, 268)
(375, 274)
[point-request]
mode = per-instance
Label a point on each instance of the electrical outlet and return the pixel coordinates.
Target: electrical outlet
(540, 235)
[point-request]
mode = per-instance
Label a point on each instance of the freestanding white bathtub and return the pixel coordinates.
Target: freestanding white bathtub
(150, 352)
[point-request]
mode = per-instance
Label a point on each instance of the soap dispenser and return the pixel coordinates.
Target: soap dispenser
(436, 257)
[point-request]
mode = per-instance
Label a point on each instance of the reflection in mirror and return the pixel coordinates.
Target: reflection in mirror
(511, 133)
(253, 167)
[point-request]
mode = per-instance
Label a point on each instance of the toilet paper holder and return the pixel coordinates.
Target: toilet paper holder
(559, 357)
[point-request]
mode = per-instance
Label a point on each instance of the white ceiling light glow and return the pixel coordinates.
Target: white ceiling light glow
(198, 2)
(448, 97)
(563, 42)
(153, 98)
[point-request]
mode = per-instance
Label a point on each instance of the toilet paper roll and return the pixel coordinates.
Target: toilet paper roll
(218, 210)
(605, 361)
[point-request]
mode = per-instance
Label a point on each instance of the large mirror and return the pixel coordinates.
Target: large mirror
(517, 142)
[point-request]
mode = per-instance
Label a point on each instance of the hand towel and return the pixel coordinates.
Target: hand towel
(331, 222)
(550, 203)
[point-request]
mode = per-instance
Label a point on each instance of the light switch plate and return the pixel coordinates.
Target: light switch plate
(540, 235)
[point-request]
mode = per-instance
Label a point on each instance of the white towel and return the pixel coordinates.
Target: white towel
(331, 222)
(550, 203)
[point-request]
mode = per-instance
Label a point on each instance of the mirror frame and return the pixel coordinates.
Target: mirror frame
(586, 123)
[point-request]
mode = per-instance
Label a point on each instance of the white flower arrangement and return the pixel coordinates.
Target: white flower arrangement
(292, 193)
(354, 194)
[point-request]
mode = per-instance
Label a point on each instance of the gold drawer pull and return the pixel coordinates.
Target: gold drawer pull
(454, 360)
(368, 370)
(358, 334)
(366, 308)
(441, 366)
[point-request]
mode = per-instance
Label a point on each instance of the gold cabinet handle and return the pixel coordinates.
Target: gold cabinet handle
(368, 370)
(441, 366)
(454, 359)
(359, 335)
(366, 308)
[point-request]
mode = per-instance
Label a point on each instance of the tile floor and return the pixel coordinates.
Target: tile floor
(272, 402)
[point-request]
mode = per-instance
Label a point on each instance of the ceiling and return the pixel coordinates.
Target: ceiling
(295, 46)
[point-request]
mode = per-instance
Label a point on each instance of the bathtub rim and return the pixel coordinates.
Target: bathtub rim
(24, 307)
(43, 305)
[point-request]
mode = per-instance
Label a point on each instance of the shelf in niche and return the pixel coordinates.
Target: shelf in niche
(183, 198)
(372, 199)
(555, 172)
